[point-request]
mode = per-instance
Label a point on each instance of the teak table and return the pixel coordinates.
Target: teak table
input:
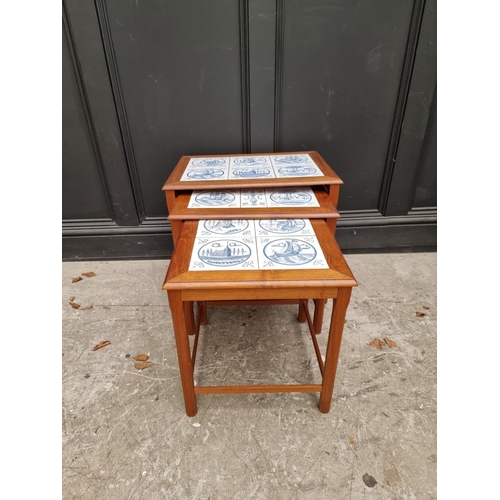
(325, 187)
(240, 286)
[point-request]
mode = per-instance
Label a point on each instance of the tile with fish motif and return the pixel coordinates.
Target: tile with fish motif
(215, 199)
(291, 197)
(284, 227)
(226, 253)
(290, 252)
(219, 228)
(253, 198)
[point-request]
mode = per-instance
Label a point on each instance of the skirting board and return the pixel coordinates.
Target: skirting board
(359, 239)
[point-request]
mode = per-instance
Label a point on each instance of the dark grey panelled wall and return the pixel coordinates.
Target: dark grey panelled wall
(147, 82)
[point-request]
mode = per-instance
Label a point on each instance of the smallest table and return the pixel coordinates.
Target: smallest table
(333, 280)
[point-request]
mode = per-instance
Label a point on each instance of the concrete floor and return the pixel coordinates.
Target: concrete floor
(126, 435)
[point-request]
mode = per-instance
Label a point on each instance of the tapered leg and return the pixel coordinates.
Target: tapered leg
(332, 224)
(319, 310)
(302, 314)
(333, 348)
(183, 351)
(189, 314)
(176, 226)
(203, 315)
(334, 194)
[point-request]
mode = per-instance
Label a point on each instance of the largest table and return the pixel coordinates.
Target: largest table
(185, 286)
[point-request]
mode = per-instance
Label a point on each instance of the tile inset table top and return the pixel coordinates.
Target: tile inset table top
(261, 170)
(267, 203)
(254, 198)
(243, 244)
(238, 254)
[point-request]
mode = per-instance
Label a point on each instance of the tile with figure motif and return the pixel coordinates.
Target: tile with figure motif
(290, 252)
(228, 227)
(291, 197)
(284, 227)
(253, 198)
(215, 199)
(225, 253)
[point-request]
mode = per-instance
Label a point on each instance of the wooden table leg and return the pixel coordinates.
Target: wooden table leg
(203, 315)
(176, 226)
(319, 310)
(302, 314)
(333, 348)
(332, 224)
(183, 351)
(189, 315)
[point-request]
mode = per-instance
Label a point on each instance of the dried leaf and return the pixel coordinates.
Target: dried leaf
(89, 275)
(71, 299)
(426, 307)
(78, 278)
(143, 365)
(87, 308)
(370, 481)
(100, 345)
(74, 305)
(388, 483)
(390, 342)
(351, 441)
(141, 357)
(420, 313)
(376, 343)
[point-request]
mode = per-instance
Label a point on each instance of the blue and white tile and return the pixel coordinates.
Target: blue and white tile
(253, 198)
(205, 173)
(224, 254)
(291, 197)
(291, 252)
(220, 162)
(215, 199)
(293, 159)
(284, 227)
(255, 172)
(297, 170)
(249, 161)
(225, 228)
